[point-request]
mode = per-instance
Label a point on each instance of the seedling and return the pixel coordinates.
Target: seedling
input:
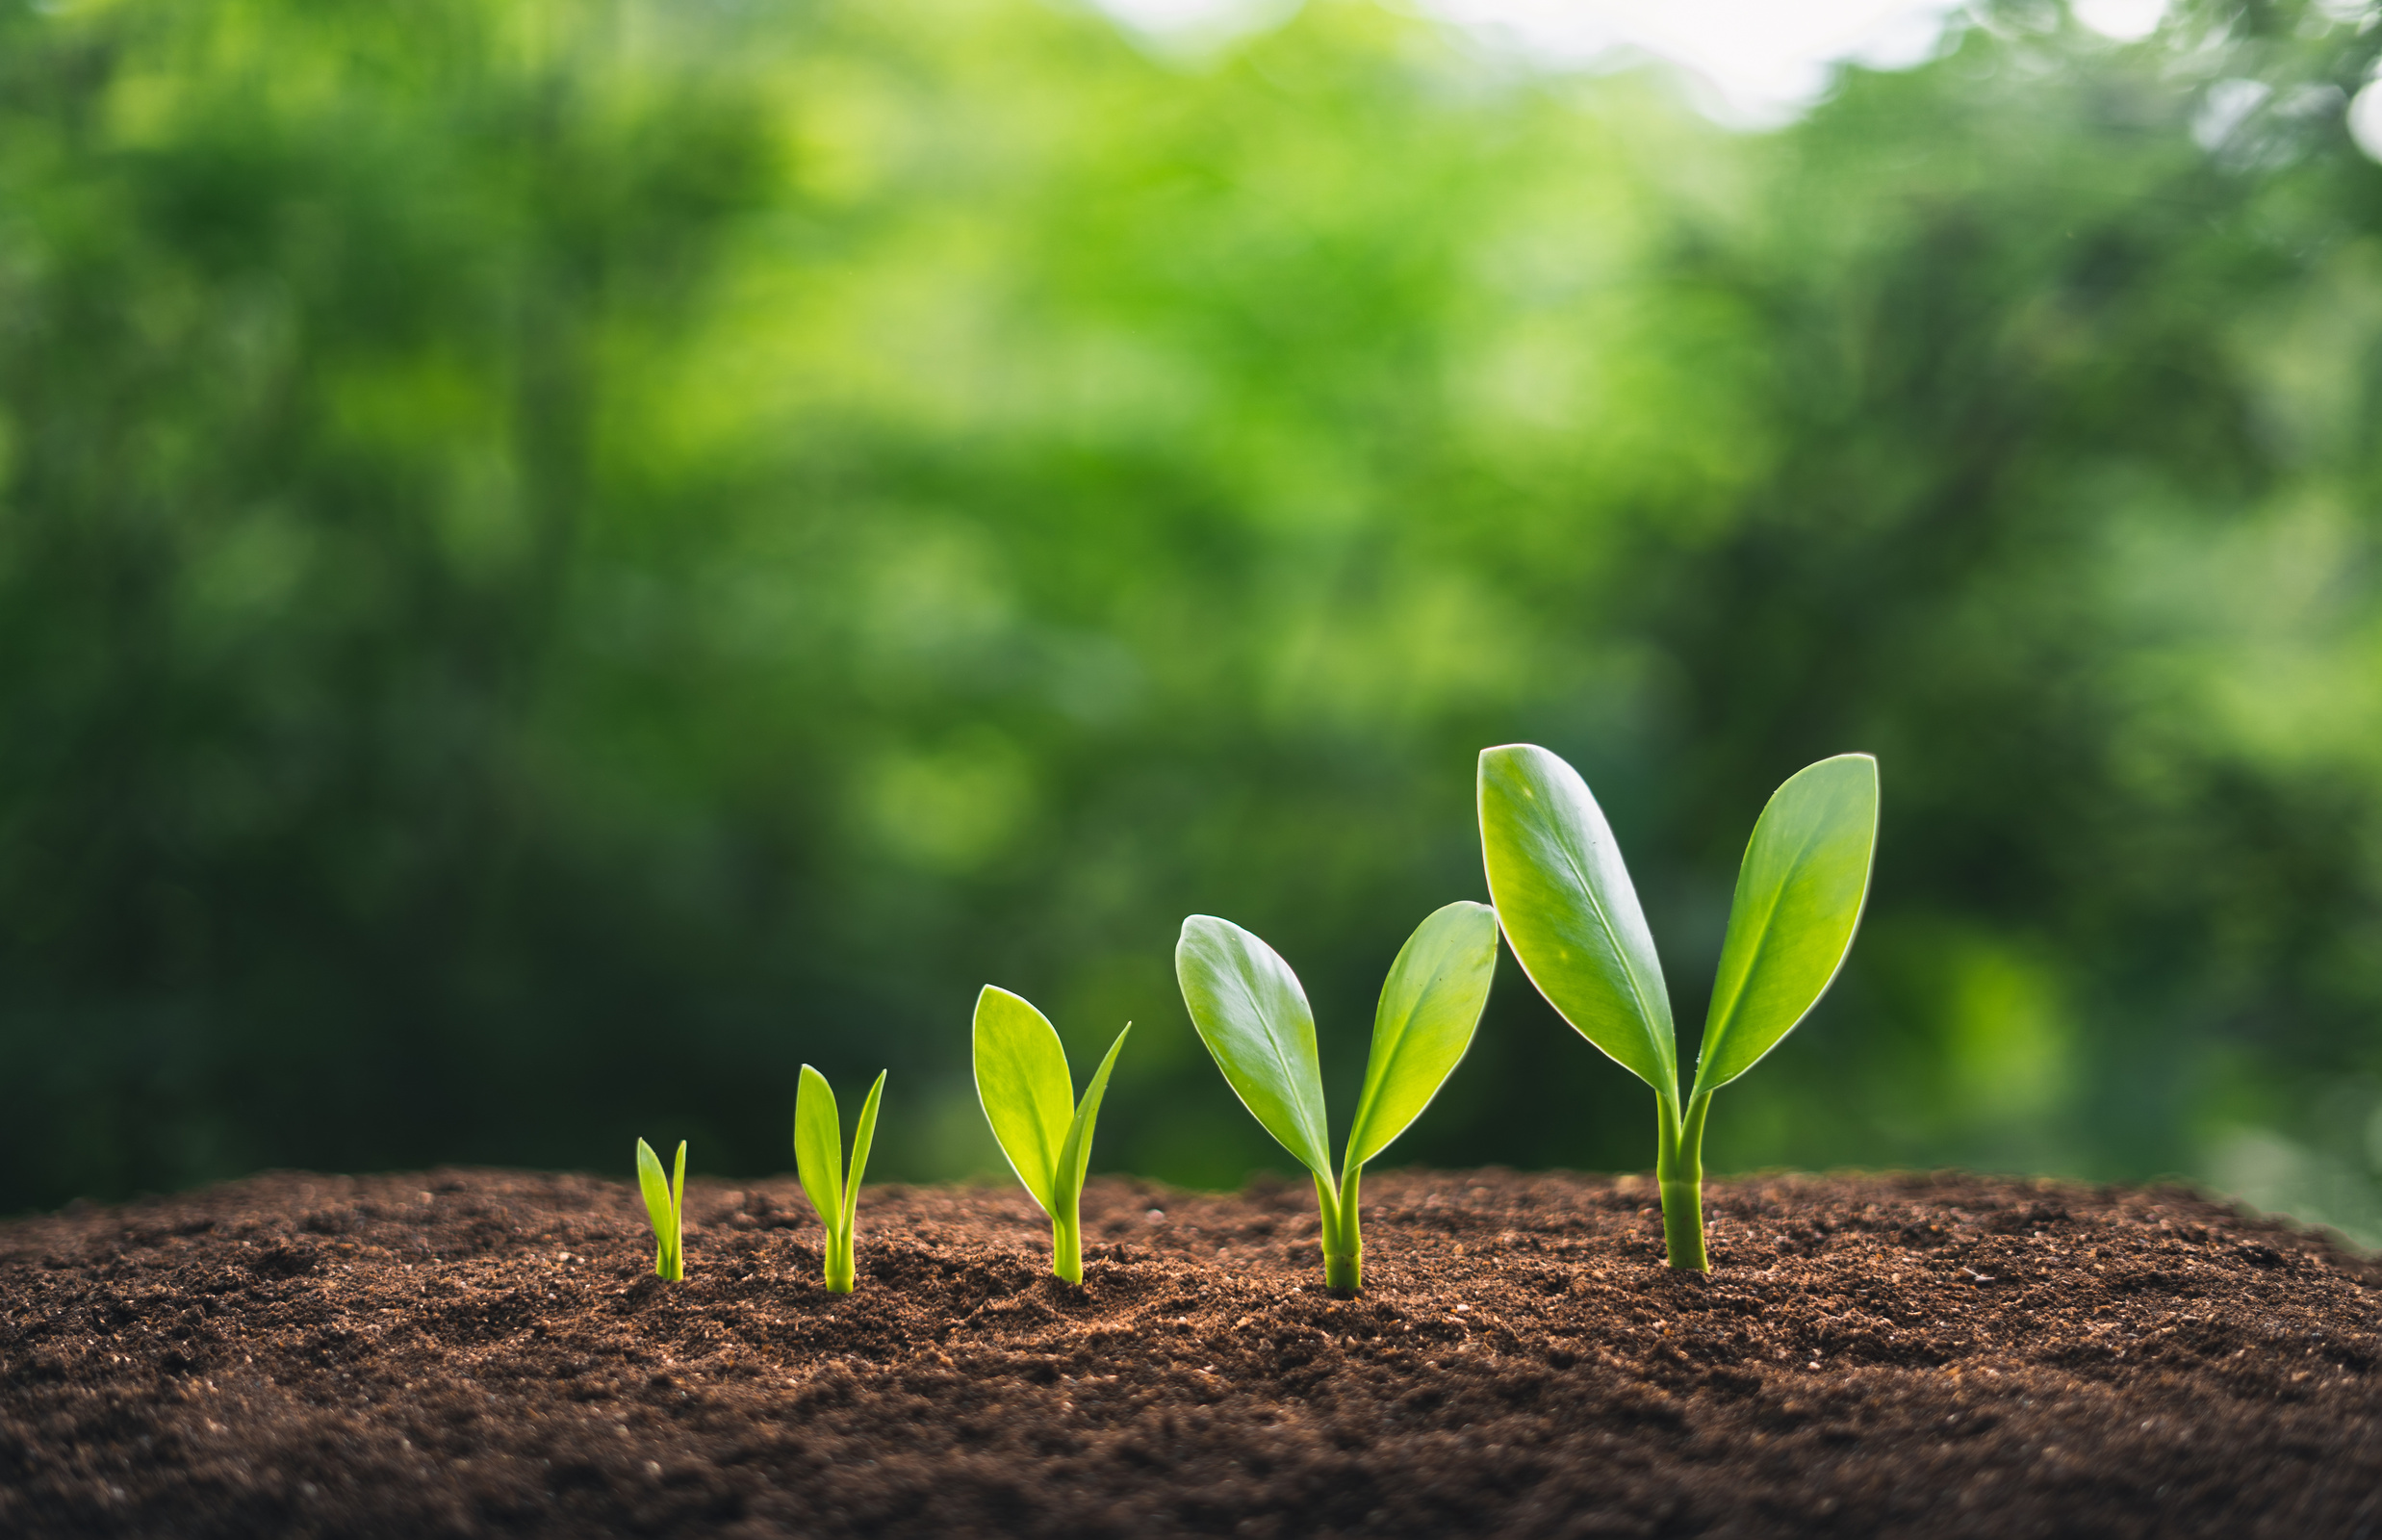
(1574, 922)
(1254, 1018)
(819, 1160)
(1029, 1098)
(664, 1199)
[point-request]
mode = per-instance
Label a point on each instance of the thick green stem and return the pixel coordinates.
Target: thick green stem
(839, 1262)
(1066, 1248)
(1679, 1171)
(1344, 1246)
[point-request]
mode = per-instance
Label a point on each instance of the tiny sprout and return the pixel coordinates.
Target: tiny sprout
(665, 1202)
(1573, 920)
(1254, 1018)
(1027, 1096)
(818, 1159)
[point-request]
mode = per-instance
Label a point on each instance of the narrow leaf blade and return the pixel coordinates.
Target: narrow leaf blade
(819, 1146)
(1570, 911)
(655, 1187)
(1799, 894)
(1254, 1018)
(1075, 1152)
(862, 1137)
(1022, 1085)
(1430, 1003)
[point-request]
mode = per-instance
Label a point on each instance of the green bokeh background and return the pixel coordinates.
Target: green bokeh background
(560, 559)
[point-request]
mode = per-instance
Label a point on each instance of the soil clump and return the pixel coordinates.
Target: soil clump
(483, 1353)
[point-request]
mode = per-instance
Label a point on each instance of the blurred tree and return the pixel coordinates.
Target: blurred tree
(558, 559)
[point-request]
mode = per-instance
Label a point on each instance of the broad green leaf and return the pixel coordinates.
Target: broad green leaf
(1022, 1084)
(1799, 900)
(1075, 1150)
(1253, 1016)
(655, 1185)
(1568, 910)
(819, 1146)
(862, 1137)
(1430, 1003)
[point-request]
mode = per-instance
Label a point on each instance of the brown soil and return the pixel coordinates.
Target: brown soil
(486, 1353)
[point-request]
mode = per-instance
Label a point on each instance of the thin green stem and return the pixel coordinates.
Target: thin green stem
(1066, 1248)
(839, 1262)
(1679, 1171)
(1344, 1245)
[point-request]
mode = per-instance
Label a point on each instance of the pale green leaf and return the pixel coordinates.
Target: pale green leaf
(1570, 911)
(1799, 894)
(1430, 1005)
(862, 1137)
(1253, 1016)
(655, 1185)
(819, 1148)
(1022, 1084)
(1075, 1150)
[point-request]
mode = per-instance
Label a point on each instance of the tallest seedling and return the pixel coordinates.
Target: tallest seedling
(1574, 922)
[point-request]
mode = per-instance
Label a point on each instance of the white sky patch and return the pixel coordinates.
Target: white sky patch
(2366, 119)
(1747, 61)
(2124, 21)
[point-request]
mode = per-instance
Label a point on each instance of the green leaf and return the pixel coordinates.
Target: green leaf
(658, 1204)
(1253, 1016)
(1022, 1084)
(678, 1188)
(1075, 1152)
(1799, 894)
(862, 1137)
(819, 1146)
(1568, 910)
(1430, 1005)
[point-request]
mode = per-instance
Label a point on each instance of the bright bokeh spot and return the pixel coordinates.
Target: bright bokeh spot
(2366, 119)
(1746, 63)
(2125, 20)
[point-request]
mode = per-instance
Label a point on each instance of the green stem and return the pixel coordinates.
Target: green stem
(1067, 1249)
(839, 1262)
(1344, 1245)
(1679, 1171)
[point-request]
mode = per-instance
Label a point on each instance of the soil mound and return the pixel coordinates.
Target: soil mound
(481, 1353)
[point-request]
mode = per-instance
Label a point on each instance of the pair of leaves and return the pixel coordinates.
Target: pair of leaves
(1254, 1018)
(1572, 918)
(665, 1204)
(1029, 1098)
(819, 1148)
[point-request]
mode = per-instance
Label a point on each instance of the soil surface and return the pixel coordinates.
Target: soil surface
(470, 1353)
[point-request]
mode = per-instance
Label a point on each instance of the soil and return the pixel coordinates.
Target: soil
(482, 1353)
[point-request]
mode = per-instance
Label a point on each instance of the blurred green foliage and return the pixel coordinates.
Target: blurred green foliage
(559, 558)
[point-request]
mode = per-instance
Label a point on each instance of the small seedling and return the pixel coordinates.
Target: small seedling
(664, 1201)
(1029, 1098)
(1573, 920)
(819, 1160)
(1254, 1018)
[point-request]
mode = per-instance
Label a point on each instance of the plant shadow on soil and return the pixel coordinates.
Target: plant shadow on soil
(469, 1353)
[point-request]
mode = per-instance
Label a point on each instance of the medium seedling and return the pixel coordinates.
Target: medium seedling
(818, 1159)
(665, 1202)
(1029, 1098)
(1573, 920)
(1254, 1018)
